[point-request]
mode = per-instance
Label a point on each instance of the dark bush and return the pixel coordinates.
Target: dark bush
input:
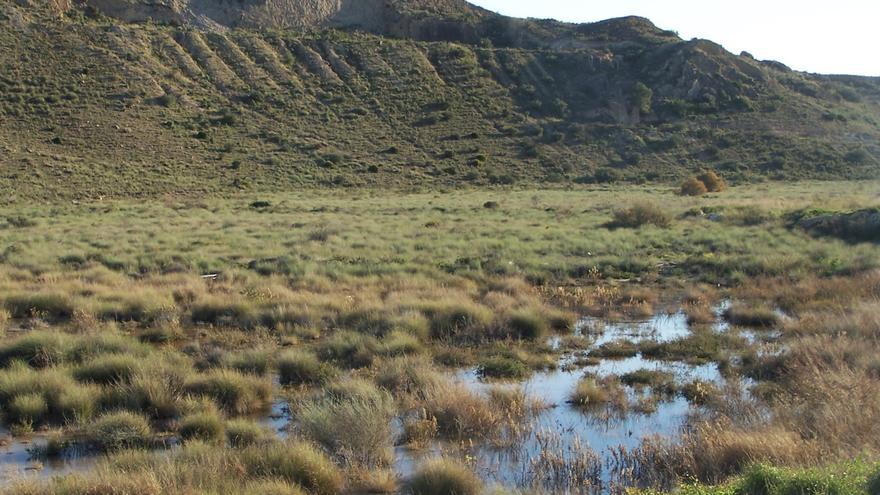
(639, 215)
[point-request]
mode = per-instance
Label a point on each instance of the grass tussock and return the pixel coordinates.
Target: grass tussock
(117, 431)
(444, 477)
(204, 427)
(303, 368)
(502, 367)
(753, 316)
(232, 391)
(593, 393)
(459, 321)
(244, 433)
(353, 421)
(640, 215)
(295, 462)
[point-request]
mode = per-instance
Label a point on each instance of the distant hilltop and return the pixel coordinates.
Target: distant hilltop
(256, 94)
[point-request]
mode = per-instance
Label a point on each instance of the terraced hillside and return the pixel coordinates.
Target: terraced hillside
(92, 106)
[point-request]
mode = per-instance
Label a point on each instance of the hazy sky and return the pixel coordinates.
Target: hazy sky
(831, 37)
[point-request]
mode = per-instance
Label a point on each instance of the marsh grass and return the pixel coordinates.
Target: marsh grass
(444, 477)
(234, 392)
(26, 410)
(253, 362)
(107, 369)
(353, 421)
(117, 431)
(244, 433)
(660, 382)
(349, 349)
(303, 368)
(388, 298)
(295, 462)
(620, 349)
(204, 427)
(501, 367)
(753, 316)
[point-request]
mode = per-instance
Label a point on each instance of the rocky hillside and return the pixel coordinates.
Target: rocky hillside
(136, 97)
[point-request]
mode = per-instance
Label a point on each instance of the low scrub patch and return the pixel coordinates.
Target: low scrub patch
(640, 215)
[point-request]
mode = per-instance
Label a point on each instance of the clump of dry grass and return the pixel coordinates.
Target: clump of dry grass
(419, 430)
(561, 465)
(444, 477)
(232, 391)
(640, 215)
(407, 378)
(459, 412)
(353, 421)
(754, 316)
(303, 368)
(717, 450)
(592, 393)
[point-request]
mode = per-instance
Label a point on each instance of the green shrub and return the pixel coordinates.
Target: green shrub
(158, 390)
(642, 97)
(118, 430)
(659, 381)
(444, 477)
(271, 487)
(406, 376)
(205, 427)
(619, 349)
(303, 368)
(295, 462)
(874, 483)
(77, 405)
(639, 215)
(767, 480)
(160, 335)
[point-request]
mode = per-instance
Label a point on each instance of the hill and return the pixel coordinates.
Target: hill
(134, 98)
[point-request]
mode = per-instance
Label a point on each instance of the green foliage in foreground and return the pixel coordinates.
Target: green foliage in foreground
(854, 478)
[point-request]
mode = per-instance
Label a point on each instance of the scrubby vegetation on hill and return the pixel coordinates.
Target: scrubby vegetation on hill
(93, 107)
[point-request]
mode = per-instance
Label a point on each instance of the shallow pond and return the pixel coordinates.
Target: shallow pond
(562, 429)
(569, 431)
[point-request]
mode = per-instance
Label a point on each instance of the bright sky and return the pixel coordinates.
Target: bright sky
(829, 37)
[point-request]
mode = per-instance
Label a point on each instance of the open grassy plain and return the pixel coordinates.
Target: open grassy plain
(586, 340)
